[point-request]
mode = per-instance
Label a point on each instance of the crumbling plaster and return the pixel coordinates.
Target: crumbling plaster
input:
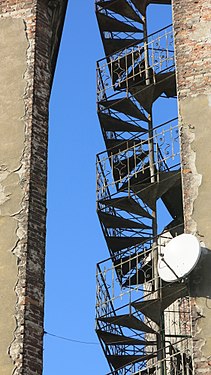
(195, 115)
(30, 34)
(13, 47)
(192, 28)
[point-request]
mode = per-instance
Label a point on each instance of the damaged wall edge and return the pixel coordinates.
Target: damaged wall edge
(29, 47)
(192, 24)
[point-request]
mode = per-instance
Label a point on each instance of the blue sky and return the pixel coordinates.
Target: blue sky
(74, 239)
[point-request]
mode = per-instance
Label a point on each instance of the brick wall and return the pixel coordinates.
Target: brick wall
(26, 347)
(192, 20)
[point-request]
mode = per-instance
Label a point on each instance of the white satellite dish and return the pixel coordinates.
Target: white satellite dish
(179, 257)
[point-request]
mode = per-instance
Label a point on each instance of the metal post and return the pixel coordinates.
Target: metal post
(153, 179)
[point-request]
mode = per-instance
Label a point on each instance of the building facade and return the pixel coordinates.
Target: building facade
(30, 33)
(153, 184)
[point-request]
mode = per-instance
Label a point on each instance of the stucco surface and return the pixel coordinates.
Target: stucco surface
(13, 47)
(195, 113)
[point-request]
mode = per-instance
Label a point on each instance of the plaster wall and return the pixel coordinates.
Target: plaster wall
(13, 47)
(30, 32)
(192, 26)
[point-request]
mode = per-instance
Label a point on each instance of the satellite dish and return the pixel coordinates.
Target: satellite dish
(179, 257)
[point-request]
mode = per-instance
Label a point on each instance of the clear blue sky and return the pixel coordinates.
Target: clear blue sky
(74, 239)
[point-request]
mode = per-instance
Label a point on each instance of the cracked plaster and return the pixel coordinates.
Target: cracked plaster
(13, 46)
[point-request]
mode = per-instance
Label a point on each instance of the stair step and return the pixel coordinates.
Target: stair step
(112, 221)
(113, 339)
(150, 308)
(125, 106)
(116, 145)
(112, 46)
(166, 82)
(147, 95)
(141, 5)
(109, 123)
(119, 243)
(144, 95)
(128, 321)
(119, 361)
(165, 2)
(175, 227)
(153, 308)
(127, 204)
(151, 192)
(120, 7)
(111, 24)
(173, 200)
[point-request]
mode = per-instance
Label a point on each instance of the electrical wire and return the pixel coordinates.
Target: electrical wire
(71, 340)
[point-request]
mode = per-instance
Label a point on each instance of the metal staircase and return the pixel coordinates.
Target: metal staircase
(142, 323)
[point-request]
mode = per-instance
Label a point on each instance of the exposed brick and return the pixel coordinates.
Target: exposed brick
(192, 23)
(40, 25)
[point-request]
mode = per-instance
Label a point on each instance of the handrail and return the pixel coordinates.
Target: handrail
(135, 43)
(137, 137)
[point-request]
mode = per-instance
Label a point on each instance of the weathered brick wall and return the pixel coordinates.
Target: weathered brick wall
(21, 352)
(192, 39)
(192, 26)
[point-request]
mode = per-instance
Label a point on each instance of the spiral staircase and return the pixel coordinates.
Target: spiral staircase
(142, 323)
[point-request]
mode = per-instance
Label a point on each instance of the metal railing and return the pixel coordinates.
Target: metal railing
(178, 361)
(128, 276)
(125, 67)
(119, 16)
(115, 169)
(123, 287)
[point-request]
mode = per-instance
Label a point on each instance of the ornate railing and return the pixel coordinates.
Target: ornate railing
(115, 169)
(123, 288)
(122, 69)
(129, 275)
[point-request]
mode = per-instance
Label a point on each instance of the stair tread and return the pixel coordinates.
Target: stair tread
(128, 321)
(119, 243)
(109, 123)
(115, 145)
(125, 106)
(112, 221)
(147, 95)
(153, 308)
(151, 192)
(112, 46)
(119, 361)
(127, 204)
(107, 23)
(120, 7)
(173, 200)
(114, 339)
(142, 5)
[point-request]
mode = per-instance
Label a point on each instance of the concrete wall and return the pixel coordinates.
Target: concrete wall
(28, 49)
(192, 26)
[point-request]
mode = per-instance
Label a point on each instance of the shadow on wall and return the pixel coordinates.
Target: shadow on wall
(200, 277)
